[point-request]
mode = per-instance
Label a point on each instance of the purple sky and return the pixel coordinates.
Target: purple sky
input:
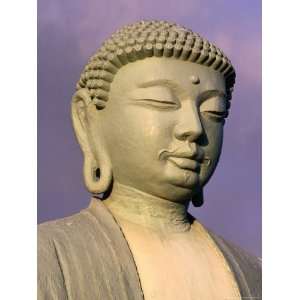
(69, 31)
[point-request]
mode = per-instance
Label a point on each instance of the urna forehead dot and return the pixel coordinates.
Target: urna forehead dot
(194, 79)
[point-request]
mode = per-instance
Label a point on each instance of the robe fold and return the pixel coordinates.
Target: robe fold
(86, 257)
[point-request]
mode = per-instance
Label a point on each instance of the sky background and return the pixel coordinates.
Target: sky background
(70, 31)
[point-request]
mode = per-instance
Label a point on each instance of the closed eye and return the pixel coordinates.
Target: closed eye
(157, 103)
(216, 114)
(214, 107)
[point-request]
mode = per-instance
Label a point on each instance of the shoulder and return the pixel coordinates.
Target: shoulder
(64, 236)
(58, 229)
(85, 256)
(245, 266)
(56, 240)
(236, 250)
(252, 262)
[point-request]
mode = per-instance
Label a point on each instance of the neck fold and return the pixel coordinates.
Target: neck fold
(129, 204)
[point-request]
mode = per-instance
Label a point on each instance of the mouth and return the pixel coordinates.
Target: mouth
(187, 163)
(187, 159)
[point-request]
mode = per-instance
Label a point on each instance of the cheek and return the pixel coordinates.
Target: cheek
(136, 134)
(212, 148)
(146, 129)
(214, 137)
(215, 141)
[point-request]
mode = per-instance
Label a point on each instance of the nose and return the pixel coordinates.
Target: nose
(189, 128)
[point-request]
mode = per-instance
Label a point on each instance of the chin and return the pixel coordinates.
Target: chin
(179, 194)
(180, 186)
(184, 178)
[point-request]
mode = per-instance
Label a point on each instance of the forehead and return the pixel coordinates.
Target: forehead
(181, 73)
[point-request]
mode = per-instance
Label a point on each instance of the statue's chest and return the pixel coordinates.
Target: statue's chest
(179, 266)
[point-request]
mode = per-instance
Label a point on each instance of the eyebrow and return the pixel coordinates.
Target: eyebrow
(211, 93)
(162, 82)
(176, 87)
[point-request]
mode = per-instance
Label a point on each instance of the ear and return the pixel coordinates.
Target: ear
(79, 113)
(96, 158)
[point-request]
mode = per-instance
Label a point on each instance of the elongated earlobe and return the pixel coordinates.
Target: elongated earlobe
(197, 199)
(94, 183)
(95, 156)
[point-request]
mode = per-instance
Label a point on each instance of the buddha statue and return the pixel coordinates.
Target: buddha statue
(148, 113)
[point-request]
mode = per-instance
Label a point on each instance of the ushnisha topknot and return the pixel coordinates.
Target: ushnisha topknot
(150, 39)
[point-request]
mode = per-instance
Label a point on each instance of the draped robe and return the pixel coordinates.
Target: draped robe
(86, 256)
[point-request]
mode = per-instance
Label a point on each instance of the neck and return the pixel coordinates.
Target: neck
(131, 205)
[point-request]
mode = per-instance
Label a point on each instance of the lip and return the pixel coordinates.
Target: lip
(184, 163)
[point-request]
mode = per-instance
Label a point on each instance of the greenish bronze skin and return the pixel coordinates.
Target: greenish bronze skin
(148, 113)
(160, 131)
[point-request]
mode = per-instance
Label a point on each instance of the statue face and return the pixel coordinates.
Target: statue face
(162, 127)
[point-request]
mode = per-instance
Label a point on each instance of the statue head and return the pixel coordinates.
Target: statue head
(149, 111)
